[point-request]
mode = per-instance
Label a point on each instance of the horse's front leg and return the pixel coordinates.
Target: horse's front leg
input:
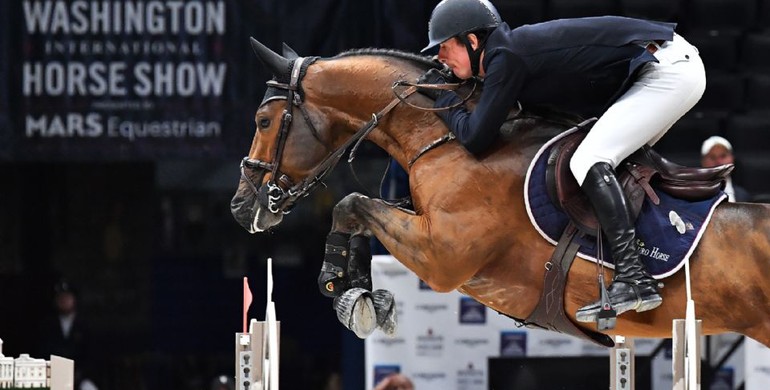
(346, 270)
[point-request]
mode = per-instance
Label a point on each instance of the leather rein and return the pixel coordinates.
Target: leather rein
(272, 195)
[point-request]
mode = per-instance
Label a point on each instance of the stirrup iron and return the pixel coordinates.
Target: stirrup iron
(607, 316)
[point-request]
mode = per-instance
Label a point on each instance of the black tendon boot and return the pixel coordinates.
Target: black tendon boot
(360, 262)
(632, 286)
(333, 279)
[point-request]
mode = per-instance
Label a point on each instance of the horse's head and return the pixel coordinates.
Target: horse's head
(311, 113)
(269, 184)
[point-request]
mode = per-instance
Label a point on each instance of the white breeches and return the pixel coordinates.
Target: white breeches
(662, 93)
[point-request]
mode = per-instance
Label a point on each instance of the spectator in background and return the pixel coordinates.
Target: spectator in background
(66, 334)
(717, 151)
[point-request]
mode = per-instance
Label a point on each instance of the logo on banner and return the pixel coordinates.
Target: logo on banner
(555, 343)
(428, 376)
(472, 342)
(389, 341)
(430, 344)
(109, 77)
(472, 312)
(590, 349)
(383, 371)
(470, 377)
(432, 308)
(395, 273)
(513, 343)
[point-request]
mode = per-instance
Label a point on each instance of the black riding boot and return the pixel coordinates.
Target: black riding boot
(632, 286)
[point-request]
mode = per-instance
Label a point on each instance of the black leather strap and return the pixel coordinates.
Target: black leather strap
(549, 313)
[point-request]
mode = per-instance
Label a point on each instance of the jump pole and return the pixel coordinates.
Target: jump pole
(257, 351)
(686, 344)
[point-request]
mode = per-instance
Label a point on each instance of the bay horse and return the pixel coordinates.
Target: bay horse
(469, 228)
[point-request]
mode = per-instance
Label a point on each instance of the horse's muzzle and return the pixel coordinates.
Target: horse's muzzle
(248, 212)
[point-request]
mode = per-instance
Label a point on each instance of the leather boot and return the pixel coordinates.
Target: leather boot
(632, 286)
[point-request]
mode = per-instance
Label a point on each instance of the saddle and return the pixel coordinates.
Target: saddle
(640, 174)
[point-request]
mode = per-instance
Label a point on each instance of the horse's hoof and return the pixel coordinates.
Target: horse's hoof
(355, 310)
(385, 307)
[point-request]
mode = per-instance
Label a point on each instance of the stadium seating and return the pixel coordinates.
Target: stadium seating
(720, 14)
(520, 12)
(718, 48)
(763, 19)
(682, 142)
(558, 9)
(664, 10)
(749, 134)
(757, 100)
(724, 94)
(756, 52)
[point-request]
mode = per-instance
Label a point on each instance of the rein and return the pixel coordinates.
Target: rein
(445, 87)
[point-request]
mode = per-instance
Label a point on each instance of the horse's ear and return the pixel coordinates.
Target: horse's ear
(275, 63)
(289, 53)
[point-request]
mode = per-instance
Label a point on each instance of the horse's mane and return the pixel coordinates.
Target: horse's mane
(424, 61)
(562, 119)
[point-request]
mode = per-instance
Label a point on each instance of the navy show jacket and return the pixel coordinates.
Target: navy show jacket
(535, 63)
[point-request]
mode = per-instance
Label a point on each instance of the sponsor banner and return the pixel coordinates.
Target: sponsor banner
(545, 343)
(468, 376)
(444, 340)
(382, 371)
(757, 366)
(662, 370)
(471, 312)
(129, 79)
(513, 343)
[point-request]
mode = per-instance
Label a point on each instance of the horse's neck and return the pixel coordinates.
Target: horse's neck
(403, 131)
(408, 134)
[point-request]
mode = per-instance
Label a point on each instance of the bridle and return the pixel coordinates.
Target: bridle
(272, 195)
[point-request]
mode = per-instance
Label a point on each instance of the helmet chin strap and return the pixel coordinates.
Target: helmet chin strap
(473, 55)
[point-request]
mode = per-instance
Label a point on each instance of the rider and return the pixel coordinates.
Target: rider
(662, 77)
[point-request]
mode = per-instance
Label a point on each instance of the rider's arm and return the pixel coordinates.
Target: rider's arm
(477, 130)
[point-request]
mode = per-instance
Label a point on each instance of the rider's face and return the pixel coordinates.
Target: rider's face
(453, 53)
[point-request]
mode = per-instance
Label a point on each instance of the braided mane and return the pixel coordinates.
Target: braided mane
(412, 57)
(538, 112)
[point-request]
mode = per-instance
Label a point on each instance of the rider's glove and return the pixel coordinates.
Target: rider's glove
(433, 76)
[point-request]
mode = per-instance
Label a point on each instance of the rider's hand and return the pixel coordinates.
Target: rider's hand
(433, 76)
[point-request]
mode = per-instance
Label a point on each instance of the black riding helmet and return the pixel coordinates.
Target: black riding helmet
(456, 18)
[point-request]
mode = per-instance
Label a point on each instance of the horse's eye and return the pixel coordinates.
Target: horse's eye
(264, 123)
